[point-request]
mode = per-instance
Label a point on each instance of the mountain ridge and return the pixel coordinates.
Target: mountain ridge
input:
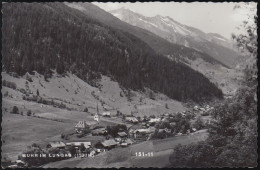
(213, 44)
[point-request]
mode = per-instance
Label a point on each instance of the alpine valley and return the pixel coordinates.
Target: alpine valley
(112, 86)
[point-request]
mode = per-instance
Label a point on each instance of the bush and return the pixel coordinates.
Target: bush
(86, 109)
(35, 145)
(23, 91)
(199, 124)
(62, 136)
(29, 113)
(15, 110)
(6, 94)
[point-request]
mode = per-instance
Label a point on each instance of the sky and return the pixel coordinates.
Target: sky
(209, 17)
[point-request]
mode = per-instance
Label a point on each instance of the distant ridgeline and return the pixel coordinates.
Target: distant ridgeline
(41, 37)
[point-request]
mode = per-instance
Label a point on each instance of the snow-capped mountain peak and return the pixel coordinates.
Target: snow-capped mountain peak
(166, 27)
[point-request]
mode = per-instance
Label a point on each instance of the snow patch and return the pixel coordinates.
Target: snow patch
(147, 22)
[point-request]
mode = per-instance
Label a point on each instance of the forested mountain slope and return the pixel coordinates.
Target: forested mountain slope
(50, 36)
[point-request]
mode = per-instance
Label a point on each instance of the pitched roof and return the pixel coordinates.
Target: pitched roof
(100, 130)
(122, 134)
(110, 142)
(86, 144)
(56, 144)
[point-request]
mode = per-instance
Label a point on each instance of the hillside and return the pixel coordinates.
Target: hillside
(213, 44)
(49, 36)
(49, 122)
(223, 75)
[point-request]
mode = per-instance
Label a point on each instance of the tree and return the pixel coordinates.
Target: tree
(151, 95)
(86, 109)
(15, 110)
(82, 148)
(29, 113)
(38, 92)
(247, 42)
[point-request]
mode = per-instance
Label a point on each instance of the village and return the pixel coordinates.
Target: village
(90, 138)
(90, 131)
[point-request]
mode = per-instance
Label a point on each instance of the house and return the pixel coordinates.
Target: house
(91, 151)
(99, 131)
(82, 125)
(106, 114)
(131, 119)
(122, 134)
(141, 134)
(108, 144)
(78, 144)
(59, 145)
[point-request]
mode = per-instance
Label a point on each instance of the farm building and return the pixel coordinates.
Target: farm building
(107, 144)
(56, 145)
(131, 119)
